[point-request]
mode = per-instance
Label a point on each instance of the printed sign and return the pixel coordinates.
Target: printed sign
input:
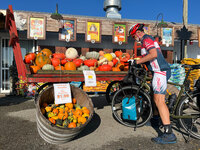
(68, 30)
(90, 78)
(93, 32)
(36, 28)
(62, 93)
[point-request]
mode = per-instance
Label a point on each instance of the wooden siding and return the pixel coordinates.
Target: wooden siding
(107, 24)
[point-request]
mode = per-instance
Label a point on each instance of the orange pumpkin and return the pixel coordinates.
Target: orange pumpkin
(46, 52)
(65, 116)
(69, 105)
(34, 69)
(86, 111)
(59, 67)
(82, 120)
(60, 116)
(78, 113)
(55, 111)
(72, 125)
(52, 120)
(70, 66)
(41, 60)
(118, 53)
(116, 69)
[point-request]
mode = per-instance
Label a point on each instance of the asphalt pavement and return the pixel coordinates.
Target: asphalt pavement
(18, 130)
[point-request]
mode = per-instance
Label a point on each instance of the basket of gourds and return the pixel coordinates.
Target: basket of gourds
(60, 123)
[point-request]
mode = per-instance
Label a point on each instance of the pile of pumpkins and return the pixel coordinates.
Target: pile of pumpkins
(69, 115)
(70, 60)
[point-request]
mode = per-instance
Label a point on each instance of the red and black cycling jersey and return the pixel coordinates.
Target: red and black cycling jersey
(157, 64)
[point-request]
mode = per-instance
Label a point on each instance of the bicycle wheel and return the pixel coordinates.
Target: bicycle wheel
(111, 89)
(129, 91)
(191, 108)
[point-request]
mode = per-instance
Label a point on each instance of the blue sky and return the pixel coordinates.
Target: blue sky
(172, 10)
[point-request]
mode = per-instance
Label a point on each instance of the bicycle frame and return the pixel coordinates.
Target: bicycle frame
(180, 94)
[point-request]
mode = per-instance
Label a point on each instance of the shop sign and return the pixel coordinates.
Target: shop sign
(36, 28)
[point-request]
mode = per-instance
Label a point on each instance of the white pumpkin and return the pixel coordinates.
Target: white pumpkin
(48, 67)
(71, 53)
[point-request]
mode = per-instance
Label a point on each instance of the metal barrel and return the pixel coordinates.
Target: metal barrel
(51, 133)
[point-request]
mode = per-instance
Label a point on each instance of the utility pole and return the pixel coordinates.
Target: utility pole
(185, 22)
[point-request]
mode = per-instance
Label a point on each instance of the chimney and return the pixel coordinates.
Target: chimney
(112, 8)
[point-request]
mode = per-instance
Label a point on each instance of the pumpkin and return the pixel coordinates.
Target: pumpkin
(29, 58)
(113, 55)
(53, 121)
(115, 61)
(84, 67)
(70, 66)
(78, 62)
(41, 60)
(69, 105)
(34, 69)
(111, 63)
(115, 69)
(59, 67)
(101, 53)
(55, 61)
(64, 61)
(55, 111)
(86, 111)
(90, 62)
(72, 125)
(108, 56)
(105, 68)
(48, 108)
(59, 56)
(82, 57)
(92, 55)
(60, 116)
(78, 113)
(46, 52)
(48, 67)
(120, 66)
(124, 57)
(102, 60)
(118, 53)
(82, 120)
(71, 53)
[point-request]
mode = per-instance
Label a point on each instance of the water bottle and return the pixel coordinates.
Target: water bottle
(171, 101)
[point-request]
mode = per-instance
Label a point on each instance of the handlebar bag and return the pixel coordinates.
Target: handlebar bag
(129, 109)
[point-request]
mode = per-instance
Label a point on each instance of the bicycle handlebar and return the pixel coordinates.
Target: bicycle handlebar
(134, 68)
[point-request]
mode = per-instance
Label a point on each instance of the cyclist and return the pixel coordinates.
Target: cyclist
(153, 58)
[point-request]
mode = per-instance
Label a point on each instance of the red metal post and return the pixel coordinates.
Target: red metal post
(14, 42)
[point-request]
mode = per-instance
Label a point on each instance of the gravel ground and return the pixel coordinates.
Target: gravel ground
(19, 131)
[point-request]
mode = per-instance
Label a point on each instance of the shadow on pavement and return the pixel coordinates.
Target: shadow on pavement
(12, 100)
(99, 102)
(91, 126)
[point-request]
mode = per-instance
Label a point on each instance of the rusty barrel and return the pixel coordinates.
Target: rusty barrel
(53, 134)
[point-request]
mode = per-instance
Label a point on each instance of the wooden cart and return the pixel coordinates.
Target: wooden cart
(57, 76)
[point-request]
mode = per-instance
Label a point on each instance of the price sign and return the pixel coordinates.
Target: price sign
(62, 93)
(90, 78)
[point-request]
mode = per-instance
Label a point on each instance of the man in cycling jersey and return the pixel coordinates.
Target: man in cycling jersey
(153, 58)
